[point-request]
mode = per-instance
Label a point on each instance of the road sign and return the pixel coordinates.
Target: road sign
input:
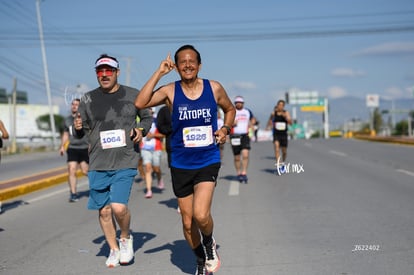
(317, 106)
(300, 97)
(372, 100)
(312, 108)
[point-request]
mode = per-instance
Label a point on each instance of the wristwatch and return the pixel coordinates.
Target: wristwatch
(227, 128)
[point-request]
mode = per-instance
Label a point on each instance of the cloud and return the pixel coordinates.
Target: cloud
(394, 92)
(242, 85)
(410, 91)
(392, 48)
(409, 77)
(335, 92)
(346, 72)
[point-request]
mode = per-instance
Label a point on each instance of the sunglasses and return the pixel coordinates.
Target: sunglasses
(107, 72)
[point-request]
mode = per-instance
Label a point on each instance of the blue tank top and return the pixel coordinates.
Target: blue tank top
(194, 123)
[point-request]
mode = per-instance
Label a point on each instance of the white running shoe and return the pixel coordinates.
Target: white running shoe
(212, 258)
(113, 258)
(126, 250)
(201, 269)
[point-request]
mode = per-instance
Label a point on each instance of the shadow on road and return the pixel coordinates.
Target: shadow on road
(11, 205)
(230, 177)
(181, 255)
(171, 203)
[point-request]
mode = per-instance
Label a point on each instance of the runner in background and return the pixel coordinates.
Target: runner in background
(151, 153)
(239, 138)
(76, 150)
(278, 121)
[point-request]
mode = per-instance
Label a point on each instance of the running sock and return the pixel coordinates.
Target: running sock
(207, 239)
(199, 252)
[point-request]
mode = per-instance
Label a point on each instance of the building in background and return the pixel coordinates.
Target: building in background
(26, 124)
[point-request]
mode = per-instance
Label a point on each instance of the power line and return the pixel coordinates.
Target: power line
(243, 30)
(132, 38)
(19, 13)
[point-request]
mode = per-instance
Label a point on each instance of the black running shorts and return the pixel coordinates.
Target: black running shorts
(78, 155)
(184, 180)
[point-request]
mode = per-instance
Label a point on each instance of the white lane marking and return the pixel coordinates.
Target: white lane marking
(338, 153)
(406, 172)
(81, 183)
(234, 188)
(48, 195)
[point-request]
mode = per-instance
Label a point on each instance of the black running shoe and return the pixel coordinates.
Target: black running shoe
(73, 198)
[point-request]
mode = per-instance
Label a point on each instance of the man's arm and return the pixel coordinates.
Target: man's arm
(80, 122)
(147, 97)
(164, 121)
(4, 133)
(64, 140)
(288, 118)
(145, 120)
(228, 108)
(269, 122)
(252, 119)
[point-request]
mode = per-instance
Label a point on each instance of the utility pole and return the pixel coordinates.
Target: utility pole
(47, 83)
(13, 148)
(128, 71)
(326, 118)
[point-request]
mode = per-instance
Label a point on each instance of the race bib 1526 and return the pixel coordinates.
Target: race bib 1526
(198, 136)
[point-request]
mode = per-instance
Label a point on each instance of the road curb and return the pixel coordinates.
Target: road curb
(22, 189)
(394, 140)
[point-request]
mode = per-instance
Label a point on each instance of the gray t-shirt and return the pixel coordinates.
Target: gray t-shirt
(74, 143)
(106, 117)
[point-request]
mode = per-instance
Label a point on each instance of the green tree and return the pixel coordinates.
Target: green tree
(401, 128)
(43, 123)
(377, 120)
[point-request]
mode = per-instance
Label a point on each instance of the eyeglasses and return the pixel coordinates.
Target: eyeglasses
(107, 72)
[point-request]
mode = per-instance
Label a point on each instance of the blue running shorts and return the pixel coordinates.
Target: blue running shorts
(106, 187)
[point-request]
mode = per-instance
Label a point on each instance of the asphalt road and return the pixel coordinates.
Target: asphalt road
(345, 209)
(19, 165)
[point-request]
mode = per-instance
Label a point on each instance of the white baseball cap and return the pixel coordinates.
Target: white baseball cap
(239, 99)
(107, 61)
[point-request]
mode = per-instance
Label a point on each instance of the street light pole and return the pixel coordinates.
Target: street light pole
(47, 83)
(128, 71)
(326, 116)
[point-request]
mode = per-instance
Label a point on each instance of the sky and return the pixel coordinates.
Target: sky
(256, 49)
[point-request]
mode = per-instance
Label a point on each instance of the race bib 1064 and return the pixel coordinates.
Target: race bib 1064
(198, 136)
(112, 139)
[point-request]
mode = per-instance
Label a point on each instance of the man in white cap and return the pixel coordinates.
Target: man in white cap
(107, 115)
(239, 138)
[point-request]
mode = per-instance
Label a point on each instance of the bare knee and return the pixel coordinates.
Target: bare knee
(105, 213)
(84, 169)
(202, 219)
(187, 224)
(119, 210)
(72, 169)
